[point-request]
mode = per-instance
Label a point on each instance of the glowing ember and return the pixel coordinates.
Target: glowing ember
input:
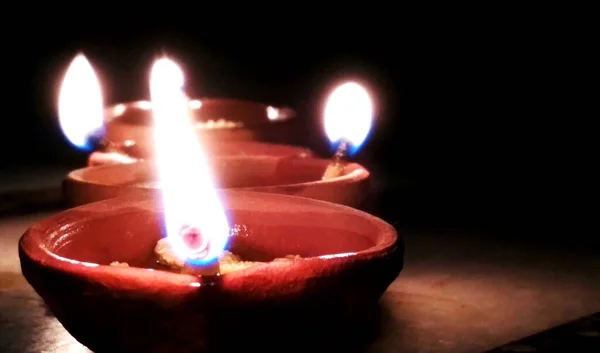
(348, 115)
(196, 225)
(80, 108)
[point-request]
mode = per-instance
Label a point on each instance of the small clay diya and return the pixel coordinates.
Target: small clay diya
(216, 119)
(213, 148)
(345, 260)
(291, 176)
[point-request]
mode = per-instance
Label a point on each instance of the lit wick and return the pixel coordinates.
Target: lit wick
(127, 150)
(106, 151)
(348, 118)
(200, 247)
(336, 167)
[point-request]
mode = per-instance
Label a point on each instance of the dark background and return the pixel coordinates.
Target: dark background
(460, 136)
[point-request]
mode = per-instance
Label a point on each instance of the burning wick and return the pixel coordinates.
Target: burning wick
(99, 142)
(128, 147)
(193, 239)
(106, 151)
(348, 118)
(199, 247)
(335, 168)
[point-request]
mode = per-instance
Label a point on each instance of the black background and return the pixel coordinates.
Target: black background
(460, 137)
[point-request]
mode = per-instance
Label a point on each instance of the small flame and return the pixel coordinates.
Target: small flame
(119, 109)
(195, 222)
(144, 105)
(348, 114)
(80, 109)
(272, 113)
(195, 104)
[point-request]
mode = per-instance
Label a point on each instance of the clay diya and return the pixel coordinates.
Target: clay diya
(123, 133)
(347, 260)
(292, 176)
(219, 149)
(215, 119)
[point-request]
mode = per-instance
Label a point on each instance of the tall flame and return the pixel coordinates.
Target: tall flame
(189, 197)
(80, 109)
(348, 114)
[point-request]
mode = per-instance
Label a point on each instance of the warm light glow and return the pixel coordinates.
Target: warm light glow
(348, 114)
(272, 113)
(195, 104)
(335, 256)
(189, 197)
(80, 108)
(119, 109)
(144, 105)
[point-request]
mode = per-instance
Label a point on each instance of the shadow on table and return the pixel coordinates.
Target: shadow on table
(581, 335)
(21, 202)
(356, 337)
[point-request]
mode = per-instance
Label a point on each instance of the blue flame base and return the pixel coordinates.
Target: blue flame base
(204, 267)
(349, 149)
(92, 140)
(203, 262)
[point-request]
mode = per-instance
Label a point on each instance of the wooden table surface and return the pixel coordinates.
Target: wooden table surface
(459, 292)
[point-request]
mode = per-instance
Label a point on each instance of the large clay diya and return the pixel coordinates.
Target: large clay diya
(347, 260)
(292, 176)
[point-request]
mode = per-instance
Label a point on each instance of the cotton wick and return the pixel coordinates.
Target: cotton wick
(336, 166)
(127, 147)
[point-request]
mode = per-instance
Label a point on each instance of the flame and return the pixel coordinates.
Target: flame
(195, 104)
(348, 114)
(80, 108)
(195, 222)
(272, 113)
(144, 105)
(119, 109)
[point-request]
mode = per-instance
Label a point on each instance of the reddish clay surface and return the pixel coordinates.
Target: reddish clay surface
(292, 176)
(133, 121)
(134, 309)
(215, 149)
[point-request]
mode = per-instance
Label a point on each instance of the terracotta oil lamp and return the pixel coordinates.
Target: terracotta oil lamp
(123, 133)
(348, 260)
(328, 180)
(291, 176)
(195, 269)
